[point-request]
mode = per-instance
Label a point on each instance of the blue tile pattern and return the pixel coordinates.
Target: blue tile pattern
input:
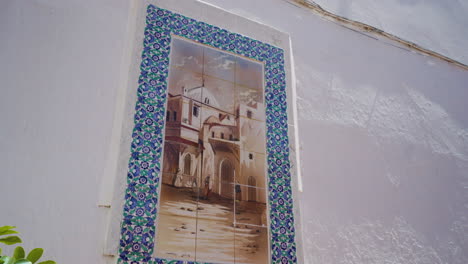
(141, 197)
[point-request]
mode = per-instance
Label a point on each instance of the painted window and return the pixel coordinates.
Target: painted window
(249, 114)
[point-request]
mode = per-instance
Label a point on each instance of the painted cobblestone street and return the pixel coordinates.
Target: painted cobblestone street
(197, 229)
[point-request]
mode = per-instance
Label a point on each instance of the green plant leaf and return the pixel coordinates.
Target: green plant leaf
(4, 259)
(0, 252)
(18, 253)
(10, 261)
(6, 230)
(47, 262)
(10, 240)
(35, 254)
(23, 261)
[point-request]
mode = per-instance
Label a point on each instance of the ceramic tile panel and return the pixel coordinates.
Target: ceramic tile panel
(172, 115)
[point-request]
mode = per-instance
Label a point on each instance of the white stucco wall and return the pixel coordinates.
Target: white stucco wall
(383, 133)
(433, 24)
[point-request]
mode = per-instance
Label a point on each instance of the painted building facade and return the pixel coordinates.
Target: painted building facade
(203, 140)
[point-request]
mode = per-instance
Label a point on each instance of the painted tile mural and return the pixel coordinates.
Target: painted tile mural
(213, 198)
(208, 178)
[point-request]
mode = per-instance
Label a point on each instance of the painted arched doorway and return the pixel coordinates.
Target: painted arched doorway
(252, 192)
(187, 164)
(227, 179)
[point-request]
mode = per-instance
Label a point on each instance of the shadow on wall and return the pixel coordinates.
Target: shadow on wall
(388, 199)
(387, 151)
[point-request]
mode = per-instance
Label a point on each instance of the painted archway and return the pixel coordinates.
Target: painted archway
(252, 192)
(227, 179)
(188, 164)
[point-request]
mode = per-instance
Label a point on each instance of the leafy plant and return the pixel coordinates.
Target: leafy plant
(19, 255)
(9, 240)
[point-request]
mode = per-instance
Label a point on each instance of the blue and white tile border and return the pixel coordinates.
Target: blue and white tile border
(141, 196)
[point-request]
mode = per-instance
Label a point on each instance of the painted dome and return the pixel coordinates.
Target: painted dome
(197, 93)
(212, 120)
